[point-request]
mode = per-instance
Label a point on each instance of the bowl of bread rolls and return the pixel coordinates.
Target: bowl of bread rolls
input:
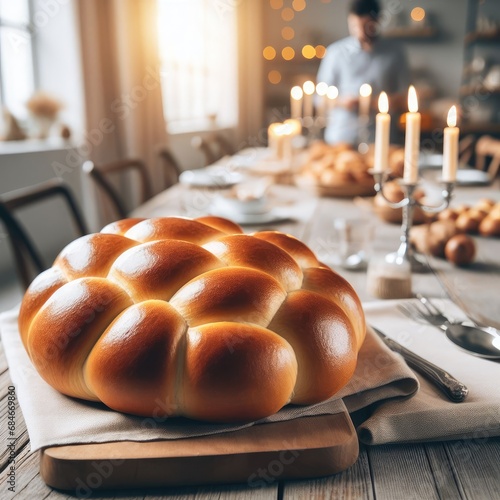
(339, 170)
(192, 318)
(335, 170)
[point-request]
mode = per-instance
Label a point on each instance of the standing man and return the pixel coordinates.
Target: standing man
(361, 58)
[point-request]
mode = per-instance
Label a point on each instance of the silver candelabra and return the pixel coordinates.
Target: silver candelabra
(408, 204)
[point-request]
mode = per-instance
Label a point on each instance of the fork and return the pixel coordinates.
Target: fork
(428, 314)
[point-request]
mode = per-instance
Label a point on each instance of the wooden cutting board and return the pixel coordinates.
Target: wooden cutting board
(302, 448)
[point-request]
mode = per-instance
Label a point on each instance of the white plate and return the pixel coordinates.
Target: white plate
(273, 215)
(472, 177)
(210, 177)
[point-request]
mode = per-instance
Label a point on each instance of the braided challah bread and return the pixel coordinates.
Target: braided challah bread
(172, 316)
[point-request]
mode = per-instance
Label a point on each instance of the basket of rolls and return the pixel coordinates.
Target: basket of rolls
(217, 325)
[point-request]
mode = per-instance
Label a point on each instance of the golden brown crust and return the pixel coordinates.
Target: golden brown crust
(324, 343)
(247, 251)
(300, 252)
(230, 294)
(92, 255)
(236, 372)
(67, 327)
(173, 228)
(133, 366)
(335, 288)
(224, 225)
(157, 270)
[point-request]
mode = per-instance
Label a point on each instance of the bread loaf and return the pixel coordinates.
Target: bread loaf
(180, 317)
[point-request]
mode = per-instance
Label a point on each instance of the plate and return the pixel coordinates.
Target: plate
(210, 177)
(349, 190)
(273, 215)
(472, 177)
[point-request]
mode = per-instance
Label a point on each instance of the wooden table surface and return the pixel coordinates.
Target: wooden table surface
(441, 470)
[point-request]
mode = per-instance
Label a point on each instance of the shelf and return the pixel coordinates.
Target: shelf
(487, 37)
(410, 33)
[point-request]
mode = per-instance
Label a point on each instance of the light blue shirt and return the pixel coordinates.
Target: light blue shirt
(347, 66)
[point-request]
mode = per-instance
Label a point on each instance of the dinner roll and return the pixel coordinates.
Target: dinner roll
(193, 318)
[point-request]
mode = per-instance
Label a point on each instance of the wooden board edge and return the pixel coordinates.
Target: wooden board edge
(105, 468)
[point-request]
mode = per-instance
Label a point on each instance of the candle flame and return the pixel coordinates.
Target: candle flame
(296, 92)
(283, 129)
(309, 87)
(452, 117)
(365, 90)
(383, 103)
(333, 92)
(412, 100)
(322, 88)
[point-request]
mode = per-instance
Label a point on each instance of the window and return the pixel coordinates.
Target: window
(197, 42)
(17, 79)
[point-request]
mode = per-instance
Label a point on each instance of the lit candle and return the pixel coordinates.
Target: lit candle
(280, 139)
(296, 95)
(309, 89)
(382, 134)
(365, 93)
(412, 139)
(321, 90)
(332, 94)
(450, 147)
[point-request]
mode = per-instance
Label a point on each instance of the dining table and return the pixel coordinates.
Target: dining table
(438, 469)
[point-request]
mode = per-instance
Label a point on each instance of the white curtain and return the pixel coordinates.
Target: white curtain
(121, 72)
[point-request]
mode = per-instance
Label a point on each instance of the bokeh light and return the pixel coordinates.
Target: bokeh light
(269, 53)
(308, 51)
(321, 88)
(309, 87)
(276, 4)
(288, 53)
(298, 5)
(288, 33)
(333, 92)
(320, 51)
(274, 77)
(417, 14)
(287, 14)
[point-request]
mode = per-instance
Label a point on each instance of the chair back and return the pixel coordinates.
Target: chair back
(27, 258)
(100, 174)
(213, 147)
(171, 168)
(488, 148)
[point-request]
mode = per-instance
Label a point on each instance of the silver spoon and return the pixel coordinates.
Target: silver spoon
(480, 342)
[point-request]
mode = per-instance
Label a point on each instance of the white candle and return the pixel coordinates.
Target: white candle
(382, 134)
(332, 94)
(321, 91)
(309, 89)
(412, 139)
(450, 147)
(280, 139)
(296, 95)
(365, 93)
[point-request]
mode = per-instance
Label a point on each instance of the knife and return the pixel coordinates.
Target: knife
(454, 390)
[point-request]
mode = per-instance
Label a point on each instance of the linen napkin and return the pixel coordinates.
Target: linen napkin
(429, 415)
(54, 419)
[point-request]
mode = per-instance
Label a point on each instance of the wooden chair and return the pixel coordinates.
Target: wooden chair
(213, 147)
(171, 168)
(27, 258)
(100, 174)
(488, 148)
